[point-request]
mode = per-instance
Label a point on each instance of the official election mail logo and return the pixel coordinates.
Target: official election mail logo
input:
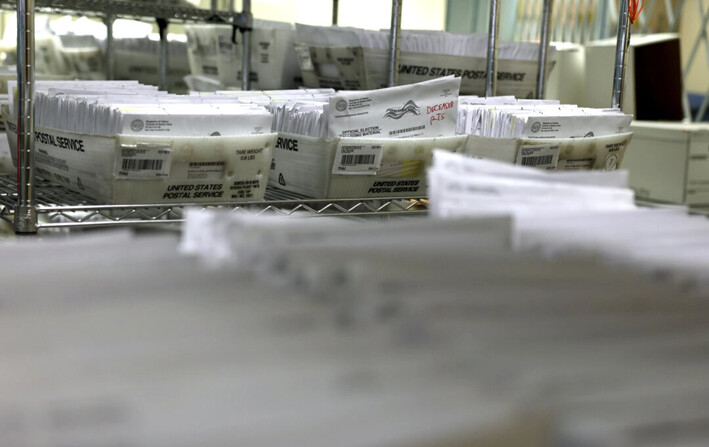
(137, 125)
(341, 105)
(536, 126)
(409, 107)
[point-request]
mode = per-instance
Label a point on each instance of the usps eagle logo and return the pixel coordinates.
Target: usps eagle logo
(409, 107)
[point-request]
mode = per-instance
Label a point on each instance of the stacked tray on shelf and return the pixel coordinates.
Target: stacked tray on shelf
(215, 53)
(544, 133)
(357, 59)
(122, 142)
(364, 144)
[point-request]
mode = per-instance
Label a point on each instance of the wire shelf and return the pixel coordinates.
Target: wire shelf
(124, 8)
(58, 207)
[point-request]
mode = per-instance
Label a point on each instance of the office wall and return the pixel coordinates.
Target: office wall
(697, 81)
(473, 16)
(371, 14)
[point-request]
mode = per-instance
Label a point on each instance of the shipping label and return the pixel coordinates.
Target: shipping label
(357, 159)
(543, 157)
(143, 162)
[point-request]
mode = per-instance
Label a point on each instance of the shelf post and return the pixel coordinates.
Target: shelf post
(245, 26)
(335, 11)
(164, 53)
(110, 49)
(25, 219)
(394, 37)
(621, 53)
(491, 71)
(544, 47)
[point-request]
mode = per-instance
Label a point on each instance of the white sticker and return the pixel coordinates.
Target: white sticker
(402, 169)
(544, 157)
(143, 161)
(357, 159)
(611, 162)
(577, 164)
(199, 170)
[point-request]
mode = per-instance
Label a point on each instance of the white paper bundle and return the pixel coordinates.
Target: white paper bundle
(425, 109)
(507, 118)
(300, 118)
(460, 186)
(298, 111)
(108, 109)
(616, 357)
(563, 213)
(340, 332)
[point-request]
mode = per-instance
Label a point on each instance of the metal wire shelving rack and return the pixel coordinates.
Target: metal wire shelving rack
(58, 207)
(124, 8)
(32, 204)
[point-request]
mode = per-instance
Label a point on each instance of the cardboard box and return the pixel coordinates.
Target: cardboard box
(305, 165)
(128, 169)
(563, 154)
(653, 77)
(357, 68)
(669, 162)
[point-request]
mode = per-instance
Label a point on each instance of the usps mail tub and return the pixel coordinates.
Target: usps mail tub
(128, 169)
(357, 68)
(564, 154)
(273, 61)
(355, 167)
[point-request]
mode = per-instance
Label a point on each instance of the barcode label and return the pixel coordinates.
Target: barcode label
(352, 160)
(141, 165)
(206, 163)
(407, 130)
(536, 161)
(362, 159)
(143, 161)
(533, 156)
